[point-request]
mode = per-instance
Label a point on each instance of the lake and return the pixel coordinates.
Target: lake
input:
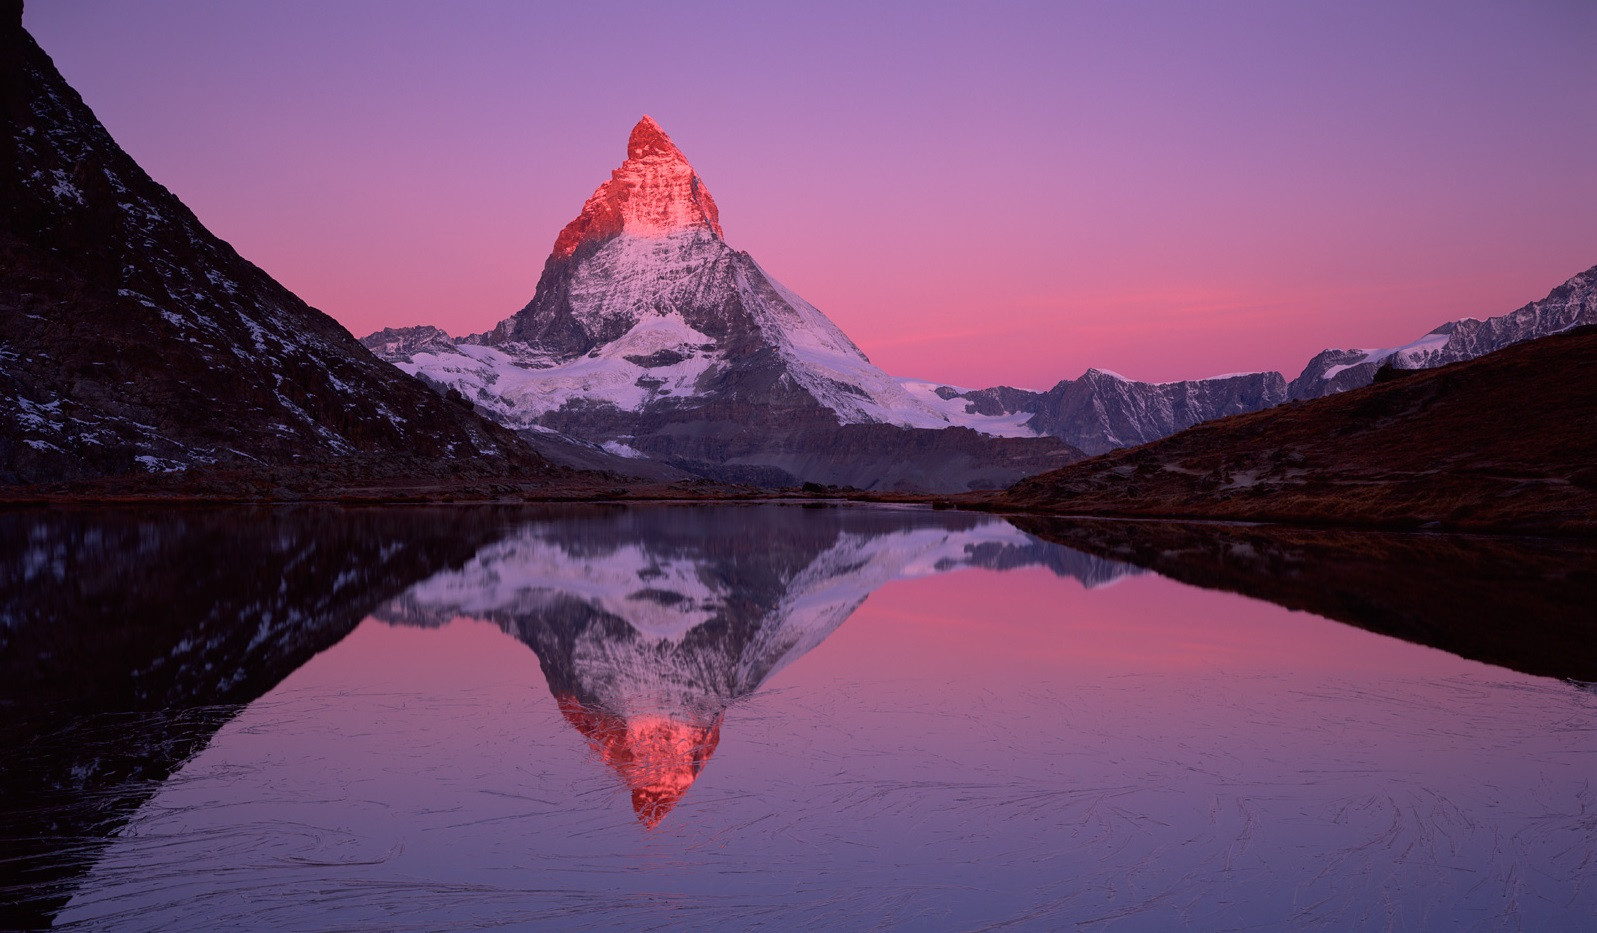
(770, 716)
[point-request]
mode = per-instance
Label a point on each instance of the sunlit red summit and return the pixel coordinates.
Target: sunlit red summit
(654, 192)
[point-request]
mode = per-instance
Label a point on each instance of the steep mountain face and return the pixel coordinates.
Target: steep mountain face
(1507, 441)
(1571, 304)
(650, 624)
(1102, 410)
(648, 334)
(132, 339)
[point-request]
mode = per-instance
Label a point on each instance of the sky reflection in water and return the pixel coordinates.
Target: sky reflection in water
(641, 721)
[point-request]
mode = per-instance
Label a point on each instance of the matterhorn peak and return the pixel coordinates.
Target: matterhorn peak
(647, 138)
(654, 193)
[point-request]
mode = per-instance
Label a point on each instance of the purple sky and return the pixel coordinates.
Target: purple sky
(975, 193)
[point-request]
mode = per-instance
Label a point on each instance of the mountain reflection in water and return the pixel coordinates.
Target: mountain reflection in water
(148, 731)
(649, 623)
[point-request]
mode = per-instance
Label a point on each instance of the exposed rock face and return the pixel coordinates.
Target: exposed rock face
(1102, 410)
(404, 341)
(654, 192)
(649, 335)
(133, 340)
(1571, 304)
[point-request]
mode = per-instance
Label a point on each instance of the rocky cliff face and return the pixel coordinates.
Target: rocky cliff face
(133, 340)
(1103, 411)
(650, 336)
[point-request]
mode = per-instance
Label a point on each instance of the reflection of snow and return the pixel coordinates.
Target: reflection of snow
(647, 611)
(664, 592)
(650, 623)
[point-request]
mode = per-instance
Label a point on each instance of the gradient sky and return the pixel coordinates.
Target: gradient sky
(979, 194)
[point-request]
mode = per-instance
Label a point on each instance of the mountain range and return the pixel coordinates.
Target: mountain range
(134, 342)
(1503, 442)
(651, 338)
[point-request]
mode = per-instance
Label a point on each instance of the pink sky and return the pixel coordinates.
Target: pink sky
(978, 195)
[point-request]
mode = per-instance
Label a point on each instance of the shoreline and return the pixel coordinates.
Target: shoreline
(654, 494)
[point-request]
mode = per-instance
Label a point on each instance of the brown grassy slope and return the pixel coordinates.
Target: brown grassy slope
(1505, 442)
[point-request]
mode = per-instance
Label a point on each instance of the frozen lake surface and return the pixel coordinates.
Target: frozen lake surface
(773, 718)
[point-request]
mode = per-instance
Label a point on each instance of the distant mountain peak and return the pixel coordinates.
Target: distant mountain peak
(655, 192)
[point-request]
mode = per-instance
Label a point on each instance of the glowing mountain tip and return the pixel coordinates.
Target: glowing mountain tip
(655, 192)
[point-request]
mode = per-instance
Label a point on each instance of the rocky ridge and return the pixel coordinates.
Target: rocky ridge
(1103, 411)
(133, 341)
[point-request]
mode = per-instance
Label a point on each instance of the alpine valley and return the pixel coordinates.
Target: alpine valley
(649, 337)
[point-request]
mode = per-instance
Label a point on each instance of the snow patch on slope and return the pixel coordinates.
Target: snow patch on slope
(956, 410)
(833, 370)
(517, 389)
(1410, 355)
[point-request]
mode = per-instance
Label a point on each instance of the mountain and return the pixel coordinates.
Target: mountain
(650, 623)
(1102, 411)
(650, 336)
(1507, 441)
(132, 340)
(1571, 304)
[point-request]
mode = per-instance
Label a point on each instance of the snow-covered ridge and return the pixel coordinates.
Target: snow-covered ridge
(1408, 356)
(643, 295)
(1572, 304)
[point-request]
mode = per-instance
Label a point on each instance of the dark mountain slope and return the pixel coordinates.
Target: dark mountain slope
(133, 340)
(1507, 441)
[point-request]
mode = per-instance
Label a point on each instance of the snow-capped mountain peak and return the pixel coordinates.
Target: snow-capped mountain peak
(655, 192)
(648, 333)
